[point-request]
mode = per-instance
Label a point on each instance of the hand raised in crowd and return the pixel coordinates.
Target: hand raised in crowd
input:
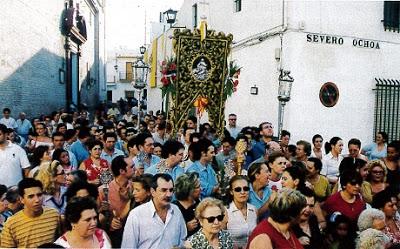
(192, 225)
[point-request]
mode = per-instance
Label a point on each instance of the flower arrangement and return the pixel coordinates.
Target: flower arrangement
(168, 71)
(232, 81)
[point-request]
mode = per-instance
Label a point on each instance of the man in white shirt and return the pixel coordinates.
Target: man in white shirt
(232, 128)
(7, 120)
(13, 160)
(157, 224)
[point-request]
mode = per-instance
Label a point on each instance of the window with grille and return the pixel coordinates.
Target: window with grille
(391, 16)
(387, 108)
(237, 5)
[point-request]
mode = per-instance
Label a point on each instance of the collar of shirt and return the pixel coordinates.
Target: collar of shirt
(235, 209)
(154, 211)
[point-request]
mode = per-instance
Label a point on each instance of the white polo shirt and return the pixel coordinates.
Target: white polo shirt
(12, 160)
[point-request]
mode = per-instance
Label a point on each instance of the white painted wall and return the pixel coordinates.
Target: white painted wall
(351, 68)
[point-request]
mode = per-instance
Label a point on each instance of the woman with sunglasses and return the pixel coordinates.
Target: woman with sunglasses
(348, 201)
(377, 175)
(210, 213)
(241, 216)
(53, 179)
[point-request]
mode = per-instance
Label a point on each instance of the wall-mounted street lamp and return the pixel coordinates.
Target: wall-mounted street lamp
(284, 91)
(170, 16)
(254, 90)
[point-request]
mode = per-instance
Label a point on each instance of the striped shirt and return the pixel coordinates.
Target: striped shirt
(23, 231)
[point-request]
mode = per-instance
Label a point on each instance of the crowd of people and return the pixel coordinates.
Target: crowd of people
(109, 180)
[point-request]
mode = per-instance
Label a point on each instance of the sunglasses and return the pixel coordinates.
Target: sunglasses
(212, 219)
(240, 189)
(355, 183)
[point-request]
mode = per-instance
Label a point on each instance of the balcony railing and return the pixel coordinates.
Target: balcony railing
(125, 77)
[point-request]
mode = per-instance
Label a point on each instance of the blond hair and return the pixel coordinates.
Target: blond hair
(376, 163)
(46, 175)
(208, 202)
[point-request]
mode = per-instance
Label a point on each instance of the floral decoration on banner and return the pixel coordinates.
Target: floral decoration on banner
(168, 71)
(201, 104)
(232, 81)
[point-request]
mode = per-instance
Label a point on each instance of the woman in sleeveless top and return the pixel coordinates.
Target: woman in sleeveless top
(94, 165)
(275, 231)
(41, 138)
(81, 216)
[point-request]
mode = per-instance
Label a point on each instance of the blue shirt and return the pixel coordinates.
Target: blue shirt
(80, 151)
(23, 126)
(160, 168)
(255, 200)
(153, 161)
(104, 155)
(144, 228)
(258, 149)
(208, 178)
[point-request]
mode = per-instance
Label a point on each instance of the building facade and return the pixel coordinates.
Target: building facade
(120, 76)
(52, 55)
(343, 56)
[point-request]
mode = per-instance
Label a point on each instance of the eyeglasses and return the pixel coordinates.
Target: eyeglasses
(212, 219)
(240, 189)
(61, 173)
(377, 172)
(268, 127)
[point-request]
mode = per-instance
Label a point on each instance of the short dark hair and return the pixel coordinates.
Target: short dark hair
(141, 138)
(193, 119)
(199, 147)
(154, 180)
(194, 135)
(3, 190)
(145, 180)
(58, 134)
(76, 186)
(84, 132)
(384, 135)
(317, 163)
(28, 183)
(306, 146)
(229, 140)
(380, 199)
(354, 141)
(117, 164)
(57, 154)
(93, 142)
(3, 129)
(132, 142)
(349, 163)
(162, 125)
(76, 206)
(285, 133)
(350, 176)
(315, 138)
(6, 110)
(70, 133)
(109, 134)
(171, 147)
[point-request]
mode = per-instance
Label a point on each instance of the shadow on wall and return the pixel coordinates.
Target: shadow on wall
(35, 86)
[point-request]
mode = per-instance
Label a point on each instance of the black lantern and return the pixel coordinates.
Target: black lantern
(142, 49)
(285, 86)
(170, 15)
(140, 70)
